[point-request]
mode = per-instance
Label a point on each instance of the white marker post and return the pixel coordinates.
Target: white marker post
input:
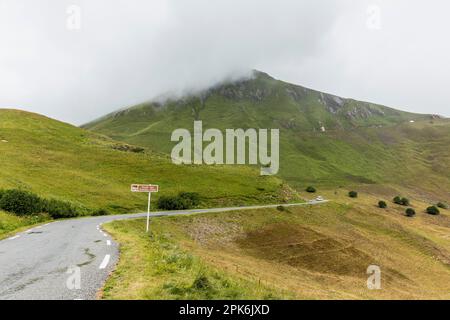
(150, 188)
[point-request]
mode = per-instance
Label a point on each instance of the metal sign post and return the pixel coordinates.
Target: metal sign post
(150, 188)
(148, 210)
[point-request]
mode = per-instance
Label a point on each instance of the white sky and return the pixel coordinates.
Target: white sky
(128, 52)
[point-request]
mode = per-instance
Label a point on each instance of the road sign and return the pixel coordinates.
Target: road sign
(146, 188)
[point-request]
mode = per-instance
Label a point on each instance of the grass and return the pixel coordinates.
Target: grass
(319, 252)
(155, 267)
(10, 224)
(58, 160)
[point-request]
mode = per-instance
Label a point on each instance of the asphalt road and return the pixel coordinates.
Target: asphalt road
(68, 259)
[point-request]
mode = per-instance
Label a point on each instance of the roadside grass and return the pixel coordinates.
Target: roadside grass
(10, 223)
(156, 267)
(314, 252)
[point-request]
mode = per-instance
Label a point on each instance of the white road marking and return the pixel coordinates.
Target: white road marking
(15, 237)
(108, 242)
(105, 262)
(46, 224)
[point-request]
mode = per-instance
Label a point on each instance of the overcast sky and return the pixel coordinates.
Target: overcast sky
(124, 52)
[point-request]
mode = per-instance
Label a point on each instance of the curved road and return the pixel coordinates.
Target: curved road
(69, 259)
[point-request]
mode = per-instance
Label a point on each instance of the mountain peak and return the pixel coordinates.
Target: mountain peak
(261, 75)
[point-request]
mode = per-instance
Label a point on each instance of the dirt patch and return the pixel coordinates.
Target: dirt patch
(207, 231)
(305, 248)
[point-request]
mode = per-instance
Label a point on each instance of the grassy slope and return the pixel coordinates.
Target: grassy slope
(355, 149)
(320, 252)
(10, 223)
(58, 160)
(157, 268)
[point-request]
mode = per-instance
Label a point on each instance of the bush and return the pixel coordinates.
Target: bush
(20, 202)
(281, 208)
(59, 209)
(170, 203)
(311, 190)
(382, 204)
(410, 212)
(401, 201)
(191, 199)
(439, 205)
(184, 200)
(100, 212)
(353, 194)
(26, 203)
(433, 210)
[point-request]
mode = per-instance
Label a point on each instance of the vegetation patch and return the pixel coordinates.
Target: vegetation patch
(410, 212)
(311, 190)
(10, 223)
(382, 204)
(401, 201)
(25, 203)
(442, 205)
(183, 201)
(433, 210)
(353, 194)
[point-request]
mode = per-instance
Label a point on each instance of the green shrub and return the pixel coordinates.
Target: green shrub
(353, 194)
(410, 212)
(20, 202)
(100, 212)
(382, 204)
(169, 203)
(183, 201)
(442, 205)
(191, 199)
(23, 203)
(281, 208)
(433, 210)
(59, 209)
(401, 201)
(311, 189)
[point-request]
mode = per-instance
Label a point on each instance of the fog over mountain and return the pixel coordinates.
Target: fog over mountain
(126, 52)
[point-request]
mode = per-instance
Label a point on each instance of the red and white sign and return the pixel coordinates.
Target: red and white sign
(144, 188)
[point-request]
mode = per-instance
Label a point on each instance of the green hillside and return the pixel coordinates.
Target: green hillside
(325, 140)
(58, 160)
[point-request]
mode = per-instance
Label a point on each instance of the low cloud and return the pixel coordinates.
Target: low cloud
(129, 52)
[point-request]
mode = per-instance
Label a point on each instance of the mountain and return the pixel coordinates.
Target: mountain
(58, 160)
(325, 140)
